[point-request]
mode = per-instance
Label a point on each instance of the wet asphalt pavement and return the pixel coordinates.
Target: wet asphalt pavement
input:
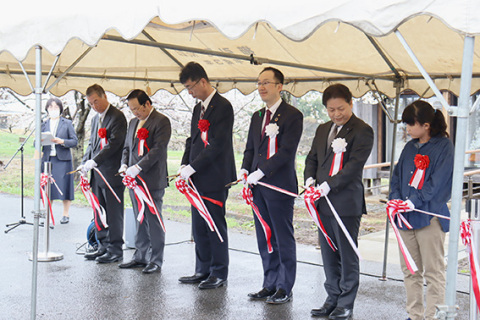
(73, 288)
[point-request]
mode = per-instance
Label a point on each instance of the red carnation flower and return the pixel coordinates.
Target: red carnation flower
(102, 133)
(203, 125)
(142, 133)
(422, 161)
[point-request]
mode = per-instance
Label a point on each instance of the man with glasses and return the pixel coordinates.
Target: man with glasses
(145, 155)
(269, 157)
(209, 161)
(106, 156)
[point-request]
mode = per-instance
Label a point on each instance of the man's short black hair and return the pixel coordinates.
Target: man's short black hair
(141, 96)
(277, 74)
(194, 72)
(336, 91)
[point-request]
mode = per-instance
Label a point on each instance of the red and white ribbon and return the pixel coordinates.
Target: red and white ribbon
(466, 234)
(344, 229)
(102, 134)
(248, 197)
(310, 196)
(288, 193)
(98, 210)
(394, 207)
(272, 130)
(203, 126)
(143, 196)
(44, 178)
(421, 163)
(196, 200)
(107, 184)
(142, 135)
(339, 146)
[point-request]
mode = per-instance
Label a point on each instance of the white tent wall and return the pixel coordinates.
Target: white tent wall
(313, 42)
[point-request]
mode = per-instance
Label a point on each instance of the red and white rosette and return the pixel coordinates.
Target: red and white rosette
(272, 130)
(203, 126)
(339, 146)
(394, 209)
(248, 197)
(310, 196)
(102, 134)
(98, 211)
(143, 196)
(469, 243)
(421, 163)
(142, 135)
(196, 200)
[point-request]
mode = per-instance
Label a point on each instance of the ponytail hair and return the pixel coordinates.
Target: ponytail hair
(422, 112)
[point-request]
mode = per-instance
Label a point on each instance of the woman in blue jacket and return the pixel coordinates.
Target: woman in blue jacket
(59, 153)
(422, 179)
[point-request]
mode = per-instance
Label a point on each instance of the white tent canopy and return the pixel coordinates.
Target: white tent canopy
(142, 44)
(127, 45)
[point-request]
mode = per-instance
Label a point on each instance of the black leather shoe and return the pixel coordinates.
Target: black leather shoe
(196, 278)
(109, 258)
(131, 264)
(212, 282)
(64, 220)
(94, 255)
(261, 295)
(324, 310)
(279, 297)
(151, 268)
(340, 313)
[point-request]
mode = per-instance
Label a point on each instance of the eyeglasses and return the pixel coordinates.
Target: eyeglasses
(265, 83)
(190, 88)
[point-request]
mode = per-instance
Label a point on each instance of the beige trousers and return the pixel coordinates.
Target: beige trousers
(426, 247)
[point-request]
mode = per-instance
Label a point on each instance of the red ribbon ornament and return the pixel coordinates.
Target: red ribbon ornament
(43, 192)
(203, 126)
(102, 134)
(143, 196)
(248, 197)
(98, 210)
(469, 243)
(310, 196)
(142, 135)
(421, 163)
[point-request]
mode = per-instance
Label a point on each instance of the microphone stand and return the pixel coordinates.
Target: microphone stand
(22, 220)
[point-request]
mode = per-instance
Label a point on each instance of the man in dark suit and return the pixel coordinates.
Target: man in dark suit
(345, 191)
(151, 165)
(106, 157)
(276, 168)
(209, 161)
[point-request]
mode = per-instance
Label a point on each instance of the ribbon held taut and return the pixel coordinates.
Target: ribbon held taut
(310, 196)
(248, 197)
(143, 197)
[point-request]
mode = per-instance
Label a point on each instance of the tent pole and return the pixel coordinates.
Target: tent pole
(37, 157)
(392, 164)
(457, 185)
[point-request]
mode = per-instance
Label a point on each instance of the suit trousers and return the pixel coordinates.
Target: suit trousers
(342, 271)
(111, 238)
(211, 254)
(426, 245)
(280, 266)
(150, 237)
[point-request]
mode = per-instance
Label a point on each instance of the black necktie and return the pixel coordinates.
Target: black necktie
(267, 122)
(202, 113)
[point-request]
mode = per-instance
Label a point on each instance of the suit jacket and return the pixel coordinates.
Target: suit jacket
(214, 163)
(154, 162)
(66, 132)
(279, 170)
(347, 191)
(108, 159)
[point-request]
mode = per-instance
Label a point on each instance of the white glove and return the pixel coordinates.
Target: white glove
(324, 188)
(410, 205)
(123, 168)
(89, 165)
(309, 182)
(81, 169)
(255, 176)
(133, 171)
(180, 169)
(186, 172)
(243, 174)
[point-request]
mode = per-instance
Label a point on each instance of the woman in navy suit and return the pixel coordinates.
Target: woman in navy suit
(59, 154)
